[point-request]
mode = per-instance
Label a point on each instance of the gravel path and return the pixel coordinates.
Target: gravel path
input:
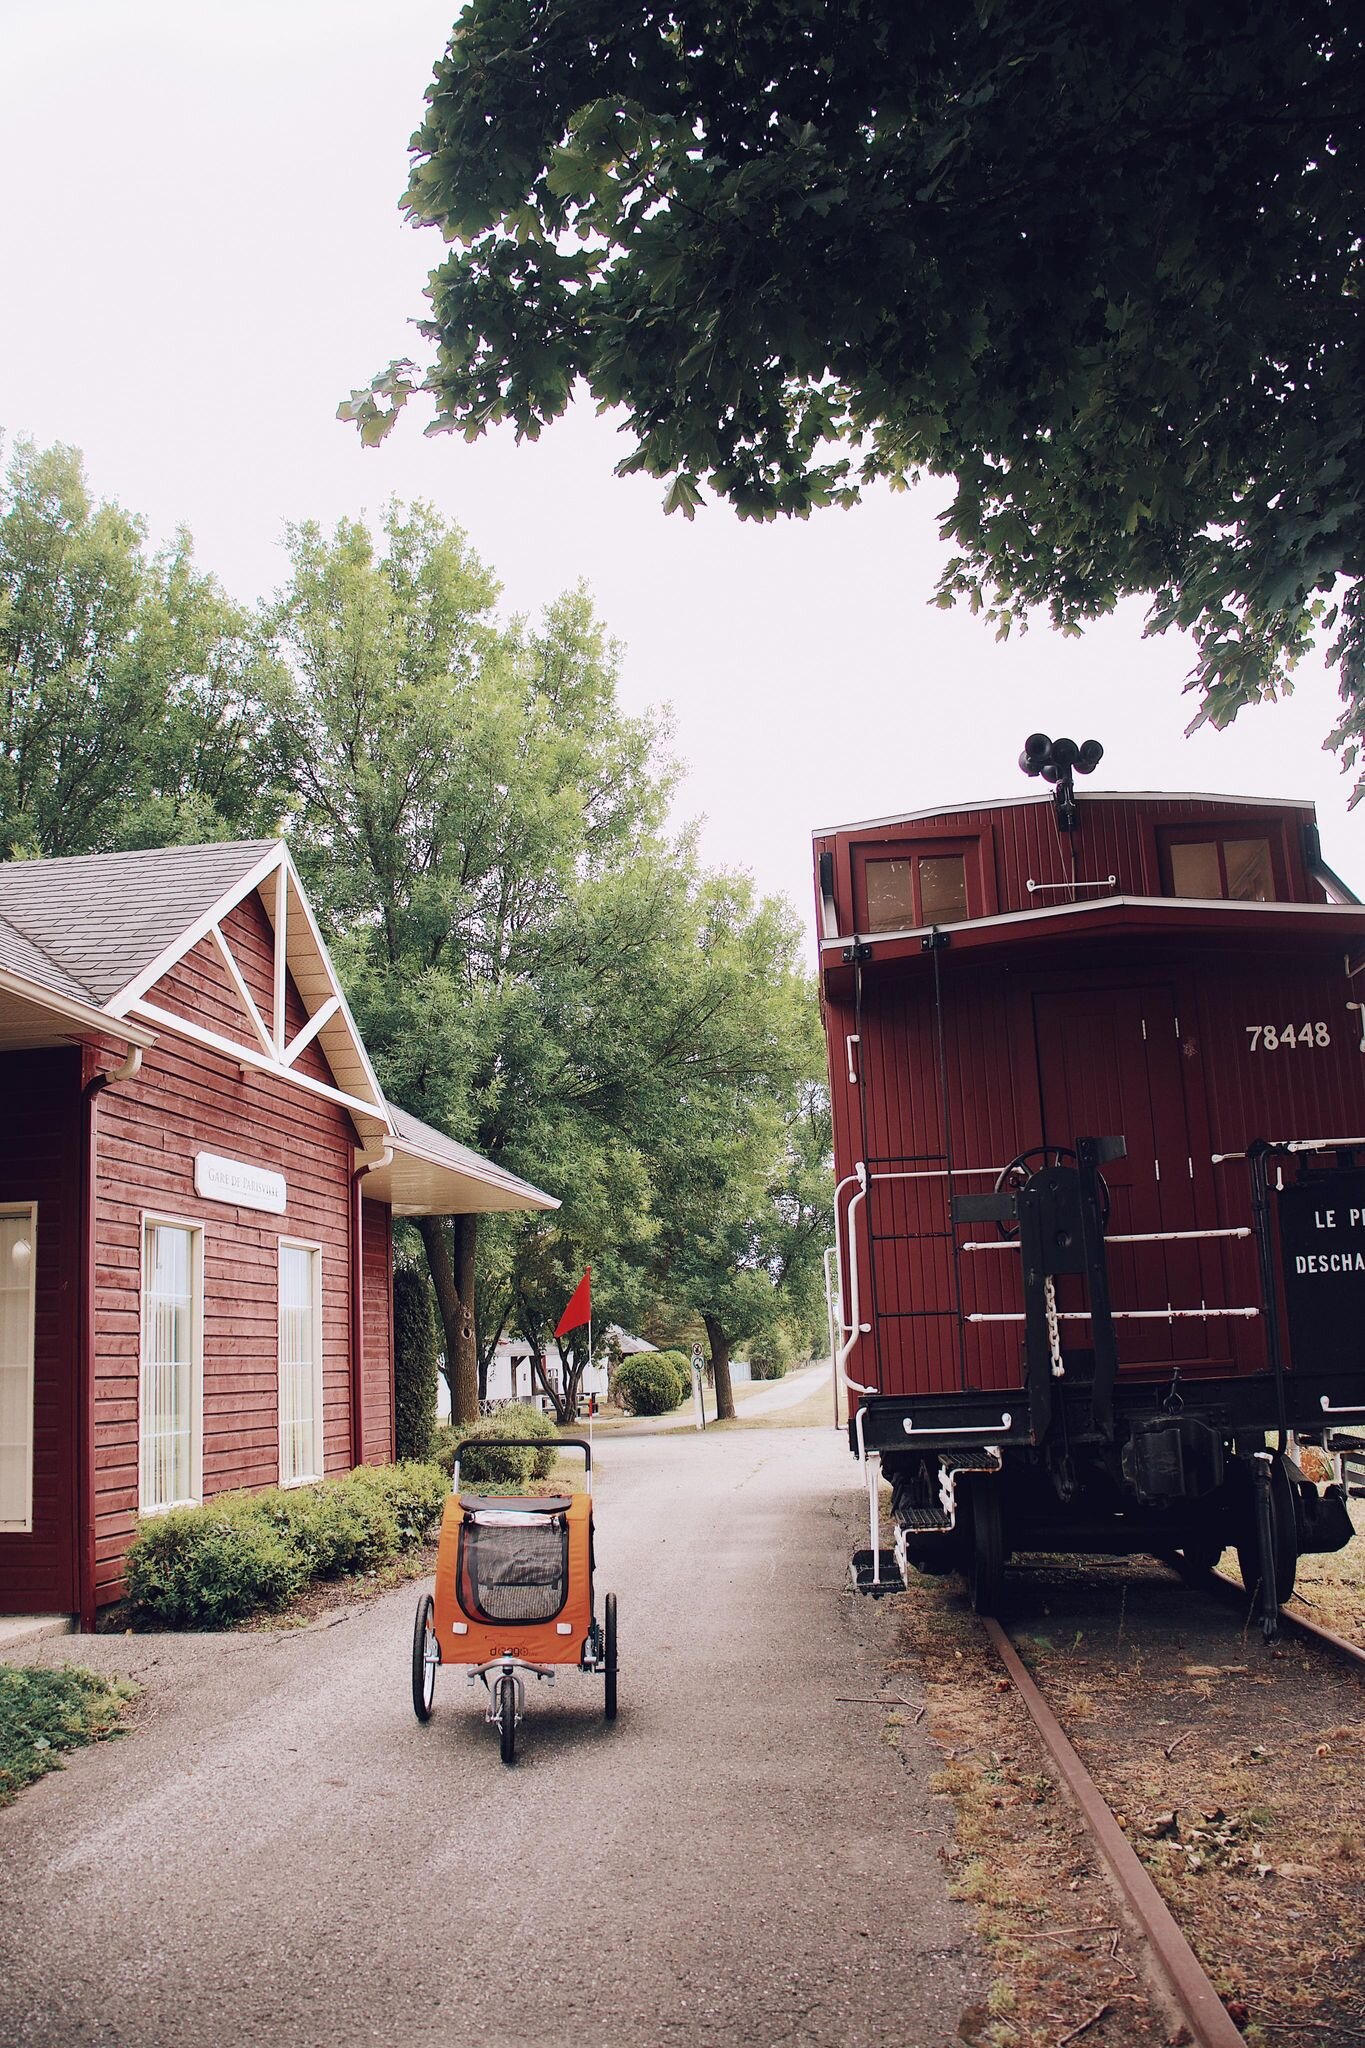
(281, 1854)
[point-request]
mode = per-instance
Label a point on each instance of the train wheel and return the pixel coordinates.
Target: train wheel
(986, 1552)
(1284, 1537)
(507, 1718)
(426, 1656)
(609, 1659)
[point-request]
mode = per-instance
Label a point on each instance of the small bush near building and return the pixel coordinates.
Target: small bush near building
(205, 1567)
(415, 1353)
(769, 1368)
(44, 1713)
(490, 1461)
(649, 1384)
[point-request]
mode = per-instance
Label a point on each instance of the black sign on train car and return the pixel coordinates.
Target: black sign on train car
(1322, 1251)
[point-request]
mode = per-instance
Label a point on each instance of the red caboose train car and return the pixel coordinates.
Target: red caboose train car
(1098, 1075)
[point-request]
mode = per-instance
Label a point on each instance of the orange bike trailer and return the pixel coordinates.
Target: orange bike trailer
(513, 1596)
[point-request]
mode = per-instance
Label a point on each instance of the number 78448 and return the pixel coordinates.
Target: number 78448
(1285, 1037)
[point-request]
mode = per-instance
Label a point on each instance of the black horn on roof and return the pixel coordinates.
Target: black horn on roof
(1058, 762)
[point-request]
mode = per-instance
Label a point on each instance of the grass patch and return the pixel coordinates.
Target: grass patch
(46, 1713)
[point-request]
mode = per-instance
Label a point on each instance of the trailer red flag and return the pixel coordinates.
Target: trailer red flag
(579, 1310)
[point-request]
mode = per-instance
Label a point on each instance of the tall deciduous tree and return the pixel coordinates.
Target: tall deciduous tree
(478, 823)
(129, 679)
(1101, 264)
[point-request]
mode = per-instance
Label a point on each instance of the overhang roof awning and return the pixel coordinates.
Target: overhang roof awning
(33, 1017)
(429, 1174)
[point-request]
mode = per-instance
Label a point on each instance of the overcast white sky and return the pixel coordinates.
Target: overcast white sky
(201, 253)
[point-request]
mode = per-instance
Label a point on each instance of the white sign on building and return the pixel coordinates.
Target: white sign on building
(234, 1180)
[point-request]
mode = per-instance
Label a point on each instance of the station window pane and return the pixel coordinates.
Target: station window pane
(168, 1410)
(300, 1365)
(16, 1369)
(943, 889)
(890, 896)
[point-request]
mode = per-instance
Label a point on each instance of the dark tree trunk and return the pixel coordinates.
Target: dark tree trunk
(720, 1366)
(563, 1399)
(450, 1244)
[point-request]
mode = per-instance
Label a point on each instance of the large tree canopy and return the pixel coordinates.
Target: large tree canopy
(1098, 263)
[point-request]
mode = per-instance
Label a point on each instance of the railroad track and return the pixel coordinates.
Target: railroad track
(1173, 1961)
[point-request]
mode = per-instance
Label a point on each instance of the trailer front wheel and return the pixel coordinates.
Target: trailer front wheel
(986, 1545)
(609, 1660)
(507, 1718)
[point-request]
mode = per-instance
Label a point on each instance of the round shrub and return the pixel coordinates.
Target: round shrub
(203, 1567)
(681, 1364)
(412, 1495)
(648, 1384)
(485, 1463)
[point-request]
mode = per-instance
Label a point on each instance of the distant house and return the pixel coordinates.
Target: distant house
(196, 1201)
(511, 1378)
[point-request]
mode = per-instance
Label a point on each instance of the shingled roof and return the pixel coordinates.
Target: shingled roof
(98, 930)
(94, 921)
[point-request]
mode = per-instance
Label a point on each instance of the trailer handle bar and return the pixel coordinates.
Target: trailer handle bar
(522, 1443)
(1011, 1244)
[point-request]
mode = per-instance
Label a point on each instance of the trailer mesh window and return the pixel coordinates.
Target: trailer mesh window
(514, 1567)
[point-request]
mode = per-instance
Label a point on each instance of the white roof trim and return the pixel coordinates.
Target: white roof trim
(487, 1172)
(1041, 796)
(87, 1017)
(245, 1055)
(118, 1004)
(276, 860)
(965, 924)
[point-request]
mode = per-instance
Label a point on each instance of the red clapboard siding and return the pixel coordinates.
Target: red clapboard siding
(41, 1164)
(188, 1099)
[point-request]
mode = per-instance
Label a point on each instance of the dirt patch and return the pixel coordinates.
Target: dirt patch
(1235, 1770)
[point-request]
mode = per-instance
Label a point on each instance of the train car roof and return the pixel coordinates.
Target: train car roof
(1044, 795)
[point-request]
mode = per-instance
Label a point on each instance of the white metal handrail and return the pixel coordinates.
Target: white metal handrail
(1011, 1244)
(1297, 1145)
(1126, 1315)
(855, 1328)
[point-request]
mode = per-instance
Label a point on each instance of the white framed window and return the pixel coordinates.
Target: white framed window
(18, 1244)
(300, 1362)
(171, 1403)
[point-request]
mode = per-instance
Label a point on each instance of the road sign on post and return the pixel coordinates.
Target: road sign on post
(698, 1402)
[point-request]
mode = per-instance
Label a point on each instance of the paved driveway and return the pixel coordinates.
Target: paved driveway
(280, 1853)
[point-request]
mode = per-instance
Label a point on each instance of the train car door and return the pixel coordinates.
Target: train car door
(1109, 1064)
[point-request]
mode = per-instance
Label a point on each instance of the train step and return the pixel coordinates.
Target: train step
(888, 1580)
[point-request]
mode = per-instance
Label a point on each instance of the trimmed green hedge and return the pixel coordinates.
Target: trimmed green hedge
(650, 1383)
(206, 1566)
(505, 1467)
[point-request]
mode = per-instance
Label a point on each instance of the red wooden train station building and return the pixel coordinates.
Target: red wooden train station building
(196, 1204)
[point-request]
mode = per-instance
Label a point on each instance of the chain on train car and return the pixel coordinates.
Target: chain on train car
(1098, 1076)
